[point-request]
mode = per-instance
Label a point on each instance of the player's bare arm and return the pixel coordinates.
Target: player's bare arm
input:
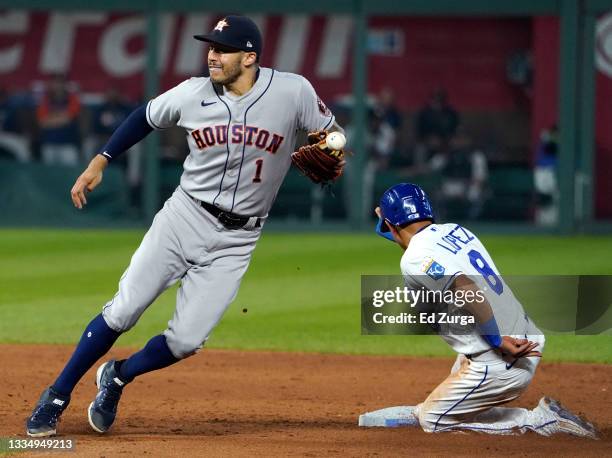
(481, 309)
(88, 180)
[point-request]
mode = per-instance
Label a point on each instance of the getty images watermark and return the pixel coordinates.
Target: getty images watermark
(578, 304)
(451, 299)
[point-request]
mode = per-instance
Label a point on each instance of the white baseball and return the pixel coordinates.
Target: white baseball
(335, 141)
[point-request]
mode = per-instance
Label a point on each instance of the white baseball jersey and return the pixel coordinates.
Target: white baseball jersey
(472, 396)
(441, 252)
(240, 146)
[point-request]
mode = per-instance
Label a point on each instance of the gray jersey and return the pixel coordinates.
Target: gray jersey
(240, 147)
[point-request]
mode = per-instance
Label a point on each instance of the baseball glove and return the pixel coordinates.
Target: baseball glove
(316, 161)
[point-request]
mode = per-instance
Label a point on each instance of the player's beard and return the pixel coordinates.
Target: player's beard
(231, 73)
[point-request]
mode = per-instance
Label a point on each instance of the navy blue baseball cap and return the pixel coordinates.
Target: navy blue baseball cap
(237, 32)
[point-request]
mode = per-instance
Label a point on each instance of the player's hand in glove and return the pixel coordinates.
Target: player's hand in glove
(88, 180)
(318, 162)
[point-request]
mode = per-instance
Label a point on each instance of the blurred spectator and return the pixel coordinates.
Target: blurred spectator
(436, 123)
(380, 139)
(105, 119)
(379, 146)
(437, 118)
(108, 116)
(391, 117)
(57, 115)
(464, 177)
(8, 113)
(390, 113)
(13, 146)
(545, 178)
(431, 147)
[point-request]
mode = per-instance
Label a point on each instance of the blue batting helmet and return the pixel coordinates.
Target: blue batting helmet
(404, 203)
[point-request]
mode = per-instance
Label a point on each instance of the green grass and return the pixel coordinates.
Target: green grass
(302, 291)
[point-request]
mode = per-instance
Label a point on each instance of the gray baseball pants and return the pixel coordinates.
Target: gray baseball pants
(184, 243)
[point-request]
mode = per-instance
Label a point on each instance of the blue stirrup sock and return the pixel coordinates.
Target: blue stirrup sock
(155, 355)
(97, 339)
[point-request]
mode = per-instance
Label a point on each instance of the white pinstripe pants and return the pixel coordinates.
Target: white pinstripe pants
(469, 397)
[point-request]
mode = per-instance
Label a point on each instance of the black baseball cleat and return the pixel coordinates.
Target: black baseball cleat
(46, 414)
(103, 409)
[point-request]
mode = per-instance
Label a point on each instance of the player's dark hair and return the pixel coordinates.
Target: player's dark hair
(404, 225)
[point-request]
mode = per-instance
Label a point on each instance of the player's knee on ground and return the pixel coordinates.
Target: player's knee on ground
(182, 346)
(427, 419)
(438, 420)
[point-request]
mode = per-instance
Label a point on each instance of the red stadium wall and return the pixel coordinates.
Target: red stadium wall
(467, 56)
(546, 75)
(545, 100)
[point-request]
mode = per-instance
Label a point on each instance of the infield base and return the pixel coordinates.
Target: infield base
(390, 417)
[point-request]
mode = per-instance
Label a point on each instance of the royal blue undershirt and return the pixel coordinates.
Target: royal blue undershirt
(490, 333)
(131, 131)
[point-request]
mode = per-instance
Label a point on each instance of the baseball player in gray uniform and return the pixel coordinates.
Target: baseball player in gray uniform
(241, 125)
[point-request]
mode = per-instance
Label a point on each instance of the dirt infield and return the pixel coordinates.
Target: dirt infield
(232, 403)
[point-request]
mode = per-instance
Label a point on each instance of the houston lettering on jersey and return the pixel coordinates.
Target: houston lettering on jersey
(249, 135)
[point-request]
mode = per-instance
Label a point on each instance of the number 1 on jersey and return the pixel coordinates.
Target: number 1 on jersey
(258, 165)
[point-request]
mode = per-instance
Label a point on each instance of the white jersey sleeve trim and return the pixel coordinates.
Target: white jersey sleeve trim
(329, 123)
(148, 116)
(450, 280)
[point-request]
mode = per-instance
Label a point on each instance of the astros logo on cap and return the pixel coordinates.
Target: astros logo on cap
(220, 25)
